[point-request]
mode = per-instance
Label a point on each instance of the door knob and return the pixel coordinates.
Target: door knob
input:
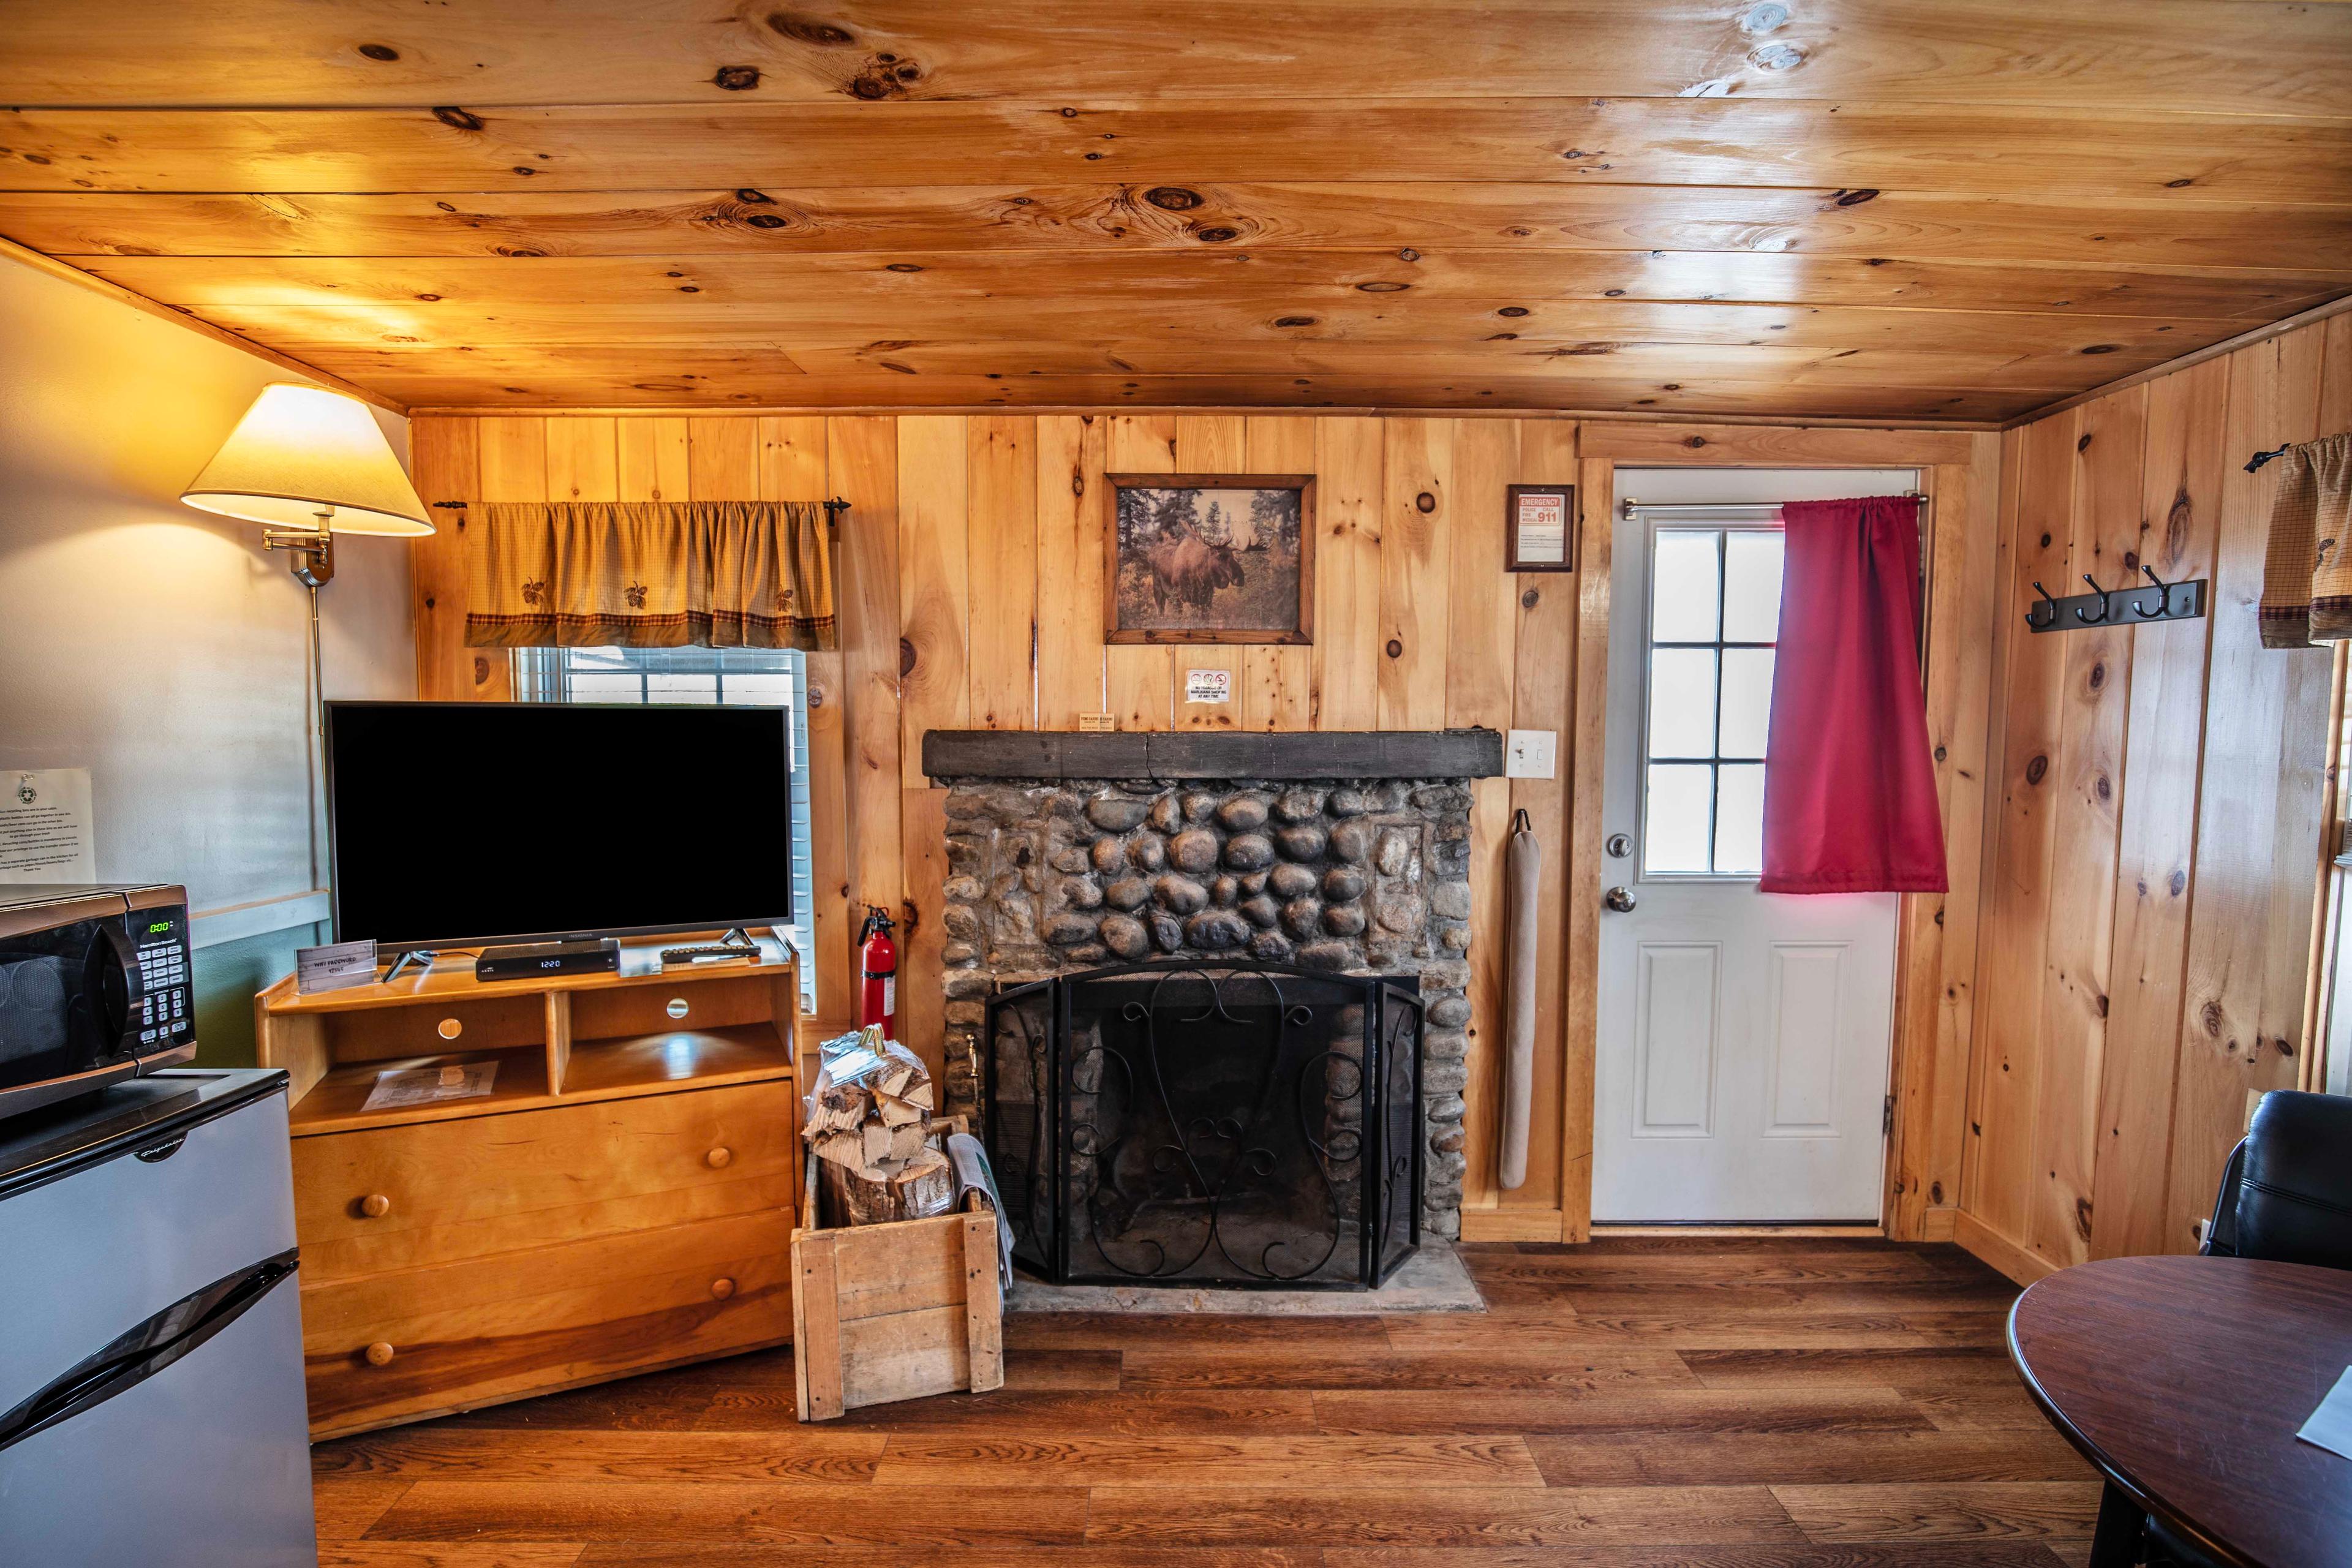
(1619, 899)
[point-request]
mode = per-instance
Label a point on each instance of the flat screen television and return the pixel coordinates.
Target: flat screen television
(465, 824)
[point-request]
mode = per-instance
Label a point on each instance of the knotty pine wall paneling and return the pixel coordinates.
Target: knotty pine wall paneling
(934, 693)
(862, 463)
(1001, 534)
(1936, 982)
(445, 464)
(1280, 677)
(970, 591)
(1140, 677)
(2152, 860)
(582, 460)
(1416, 571)
(2180, 511)
(1348, 487)
(1072, 503)
(651, 458)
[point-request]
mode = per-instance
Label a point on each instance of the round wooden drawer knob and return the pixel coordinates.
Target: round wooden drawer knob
(378, 1354)
(721, 1288)
(376, 1206)
(720, 1159)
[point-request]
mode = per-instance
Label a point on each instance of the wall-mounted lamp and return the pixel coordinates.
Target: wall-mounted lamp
(308, 464)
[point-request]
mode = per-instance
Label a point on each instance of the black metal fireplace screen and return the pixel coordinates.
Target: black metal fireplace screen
(1181, 1124)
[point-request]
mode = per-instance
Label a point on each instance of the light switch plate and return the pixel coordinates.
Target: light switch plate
(1530, 754)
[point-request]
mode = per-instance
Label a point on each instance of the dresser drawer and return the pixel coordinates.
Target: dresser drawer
(422, 1341)
(379, 1199)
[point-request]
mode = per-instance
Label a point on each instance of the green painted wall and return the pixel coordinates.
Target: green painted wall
(227, 977)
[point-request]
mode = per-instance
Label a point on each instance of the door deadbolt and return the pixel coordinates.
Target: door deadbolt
(1619, 845)
(1619, 899)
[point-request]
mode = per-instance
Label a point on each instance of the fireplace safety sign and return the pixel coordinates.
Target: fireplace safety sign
(1208, 686)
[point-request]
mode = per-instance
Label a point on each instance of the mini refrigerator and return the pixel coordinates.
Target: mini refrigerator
(151, 1336)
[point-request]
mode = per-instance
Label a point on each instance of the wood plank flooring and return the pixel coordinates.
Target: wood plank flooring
(1650, 1403)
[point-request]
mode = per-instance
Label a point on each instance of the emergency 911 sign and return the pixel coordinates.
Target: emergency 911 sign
(1541, 528)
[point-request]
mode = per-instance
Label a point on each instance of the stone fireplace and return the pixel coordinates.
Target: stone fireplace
(1345, 855)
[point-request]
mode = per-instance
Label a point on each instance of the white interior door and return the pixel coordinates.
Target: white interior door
(1742, 1061)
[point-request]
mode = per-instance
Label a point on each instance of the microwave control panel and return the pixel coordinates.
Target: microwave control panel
(165, 1013)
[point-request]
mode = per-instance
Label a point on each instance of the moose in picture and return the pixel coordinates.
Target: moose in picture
(1212, 558)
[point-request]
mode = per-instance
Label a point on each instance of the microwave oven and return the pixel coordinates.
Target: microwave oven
(94, 988)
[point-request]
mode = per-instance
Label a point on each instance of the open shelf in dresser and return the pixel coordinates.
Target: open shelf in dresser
(558, 1039)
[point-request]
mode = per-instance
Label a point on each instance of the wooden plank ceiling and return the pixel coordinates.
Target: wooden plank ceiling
(1959, 211)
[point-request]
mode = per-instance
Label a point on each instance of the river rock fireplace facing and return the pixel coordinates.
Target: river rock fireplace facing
(1167, 948)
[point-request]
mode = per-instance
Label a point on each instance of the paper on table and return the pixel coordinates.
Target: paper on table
(424, 1086)
(2330, 1426)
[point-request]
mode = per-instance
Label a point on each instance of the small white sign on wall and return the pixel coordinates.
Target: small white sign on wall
(1529, 754)
(44, 826)
(1208, 686)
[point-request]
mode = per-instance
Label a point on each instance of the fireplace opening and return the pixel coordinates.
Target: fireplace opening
(1234, 1124)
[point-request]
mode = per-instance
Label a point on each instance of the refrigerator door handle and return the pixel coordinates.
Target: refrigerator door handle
(143, 1352)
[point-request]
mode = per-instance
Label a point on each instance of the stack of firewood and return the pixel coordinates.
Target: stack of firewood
(870, 1127)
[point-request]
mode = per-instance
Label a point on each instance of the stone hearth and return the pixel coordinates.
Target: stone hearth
(1347, 853)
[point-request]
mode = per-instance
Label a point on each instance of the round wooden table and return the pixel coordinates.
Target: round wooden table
(2184, 1380)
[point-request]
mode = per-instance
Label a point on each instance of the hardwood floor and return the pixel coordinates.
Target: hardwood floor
(1651, 1403)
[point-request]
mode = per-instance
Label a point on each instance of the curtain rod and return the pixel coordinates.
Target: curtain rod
(1631, 506)
(834, 505)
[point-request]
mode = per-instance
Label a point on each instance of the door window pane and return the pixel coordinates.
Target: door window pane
(1682, 702)
(1683, 586)
(1674, 818)
(1746, 701)
(1739, 819)
(1751, 586)
(1714, 618)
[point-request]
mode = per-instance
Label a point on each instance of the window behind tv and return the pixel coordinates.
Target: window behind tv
(772, 678)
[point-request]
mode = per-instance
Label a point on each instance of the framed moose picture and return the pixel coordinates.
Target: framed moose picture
(1210, 558)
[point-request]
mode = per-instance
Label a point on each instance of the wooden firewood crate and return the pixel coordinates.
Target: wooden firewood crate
(892, 1311)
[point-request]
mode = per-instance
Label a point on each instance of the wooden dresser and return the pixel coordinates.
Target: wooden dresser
(622, 1200)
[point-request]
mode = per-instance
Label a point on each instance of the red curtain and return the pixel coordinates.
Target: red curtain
(1849, 790)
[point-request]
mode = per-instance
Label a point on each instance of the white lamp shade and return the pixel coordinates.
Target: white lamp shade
(301, 449)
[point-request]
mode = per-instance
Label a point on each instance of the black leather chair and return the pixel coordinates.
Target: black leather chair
(2287, 1195)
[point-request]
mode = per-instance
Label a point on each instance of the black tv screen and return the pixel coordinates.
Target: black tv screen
(460, 824)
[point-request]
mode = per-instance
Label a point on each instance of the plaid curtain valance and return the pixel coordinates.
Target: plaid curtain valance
(2307, 571)
(728, 574)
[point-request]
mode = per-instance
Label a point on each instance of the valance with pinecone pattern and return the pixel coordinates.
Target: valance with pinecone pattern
(723, 574)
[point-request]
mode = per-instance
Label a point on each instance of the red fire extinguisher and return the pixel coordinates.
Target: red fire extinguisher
(878, 998)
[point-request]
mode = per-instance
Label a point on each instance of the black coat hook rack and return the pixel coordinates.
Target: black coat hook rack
(2139, 605)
